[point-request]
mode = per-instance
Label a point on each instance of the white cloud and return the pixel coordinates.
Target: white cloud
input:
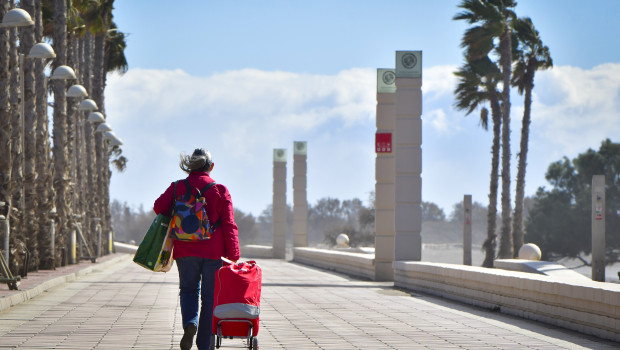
(438, 81)
(439, 120)
(242, 115)
(576, 108)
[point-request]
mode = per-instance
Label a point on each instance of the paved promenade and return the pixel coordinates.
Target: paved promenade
(119, 305)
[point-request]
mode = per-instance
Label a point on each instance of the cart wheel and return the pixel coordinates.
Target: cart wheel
(218, 342)
(212, 345)
(254, 343)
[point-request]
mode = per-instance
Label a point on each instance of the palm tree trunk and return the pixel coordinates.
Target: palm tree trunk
(60, 155)
(45, 193)
(517, 220)
(80, 156)
(5, 119)
(30, 125)
(90, 157)
(491, 241)
(102, 164)
(72, 128)
(17, 178)
(505, 246)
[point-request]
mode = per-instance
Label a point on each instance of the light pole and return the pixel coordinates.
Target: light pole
(41, 51)
(78, 92)
(89, 106)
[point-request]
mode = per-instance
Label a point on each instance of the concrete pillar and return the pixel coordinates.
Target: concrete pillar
(598, 228)
(384, 175)
(279, 203)
(300, 198)
(408, 156)
(467, 229)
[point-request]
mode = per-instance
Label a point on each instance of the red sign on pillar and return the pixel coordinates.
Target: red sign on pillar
(383, 142)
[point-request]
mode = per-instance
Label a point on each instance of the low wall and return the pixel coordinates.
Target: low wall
(351, 263)
(584, 306)
(125, 248)
(257, 251)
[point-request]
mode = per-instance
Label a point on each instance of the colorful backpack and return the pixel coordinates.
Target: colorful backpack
(189, 218)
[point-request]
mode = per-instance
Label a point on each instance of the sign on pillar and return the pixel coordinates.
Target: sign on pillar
(467, 216)
(384, 175)
(407, 142)
(279, 203)
(598, 228)
(300, 198)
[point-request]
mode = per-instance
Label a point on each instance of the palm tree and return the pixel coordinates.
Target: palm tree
(44, 184)
(6, 160)
(105, 33)
(531, 55)
(17, 176)
(491, 20)
(60, 155)
(74, 27)
(30, 224)
(5, 119)
(505, 53)
(474, 89)
(115, 60)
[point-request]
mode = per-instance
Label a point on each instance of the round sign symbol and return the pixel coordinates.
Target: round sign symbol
(389, 78)
(409, 60)
(280, 153)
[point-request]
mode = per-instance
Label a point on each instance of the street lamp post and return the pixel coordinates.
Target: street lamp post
(88, 106)
(40, 51)
(77, 92)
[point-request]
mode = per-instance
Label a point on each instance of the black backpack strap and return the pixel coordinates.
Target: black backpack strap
(204, 189)
(188, 190)
(208, 186)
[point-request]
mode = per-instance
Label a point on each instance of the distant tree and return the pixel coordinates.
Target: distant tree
(478, 213)
(246, 223)
(323, 216)
(130, 224)
(560, 220)
(350, 217)
(264, 225)
(432, 212)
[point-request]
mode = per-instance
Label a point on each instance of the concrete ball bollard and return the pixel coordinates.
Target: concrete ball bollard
(342, 241)
(530, 251)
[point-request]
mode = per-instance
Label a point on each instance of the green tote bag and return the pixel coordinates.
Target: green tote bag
(155, 251)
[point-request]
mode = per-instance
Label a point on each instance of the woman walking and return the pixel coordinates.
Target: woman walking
(199, 260)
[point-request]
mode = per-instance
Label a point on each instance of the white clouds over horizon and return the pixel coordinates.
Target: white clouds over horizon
(242, 115)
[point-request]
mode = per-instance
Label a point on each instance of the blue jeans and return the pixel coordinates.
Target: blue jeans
(191, 270)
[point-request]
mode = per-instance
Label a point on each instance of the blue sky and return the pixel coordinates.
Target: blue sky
(243, 77)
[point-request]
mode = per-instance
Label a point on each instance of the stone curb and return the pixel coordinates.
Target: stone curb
(25, 295)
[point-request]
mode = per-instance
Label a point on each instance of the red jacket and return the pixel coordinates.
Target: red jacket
(224, 241)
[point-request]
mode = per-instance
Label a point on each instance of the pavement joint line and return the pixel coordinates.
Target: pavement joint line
(22, 296)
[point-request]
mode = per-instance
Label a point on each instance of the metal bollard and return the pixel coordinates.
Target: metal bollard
(111, 242)
(53, 242)
(98, 240)
(72, 247)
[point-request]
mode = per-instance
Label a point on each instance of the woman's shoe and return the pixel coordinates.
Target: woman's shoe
(188, 337)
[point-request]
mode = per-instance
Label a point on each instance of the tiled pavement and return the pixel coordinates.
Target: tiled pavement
(119, 305)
